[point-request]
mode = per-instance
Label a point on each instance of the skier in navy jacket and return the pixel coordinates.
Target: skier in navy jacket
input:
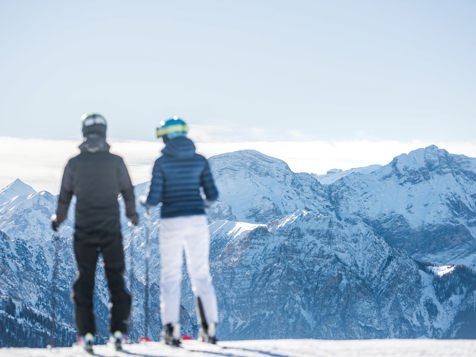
(180, 179)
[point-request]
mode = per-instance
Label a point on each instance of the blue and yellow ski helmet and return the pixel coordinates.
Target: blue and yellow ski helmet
(172, 128)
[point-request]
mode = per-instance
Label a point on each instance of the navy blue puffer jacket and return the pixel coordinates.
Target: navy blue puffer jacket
(178, 178)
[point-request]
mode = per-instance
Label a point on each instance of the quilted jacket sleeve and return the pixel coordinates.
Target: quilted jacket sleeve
(208, 183)
(155, 190)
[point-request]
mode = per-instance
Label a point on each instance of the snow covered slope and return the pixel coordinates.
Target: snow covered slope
(423, 202)
(16, 190)
(388, 252)
(274, 348)
(257, 188)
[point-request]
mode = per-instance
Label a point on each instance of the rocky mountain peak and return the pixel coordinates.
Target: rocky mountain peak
(251, 160)
(430, 158)
(16, 189)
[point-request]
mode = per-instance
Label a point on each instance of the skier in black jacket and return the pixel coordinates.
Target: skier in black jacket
(96, 177)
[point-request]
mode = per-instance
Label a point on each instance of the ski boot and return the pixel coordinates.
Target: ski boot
(116, 340)
(86, 342)
(207, 333)
(171, 335)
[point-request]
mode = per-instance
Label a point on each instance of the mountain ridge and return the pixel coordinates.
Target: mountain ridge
(378, 253)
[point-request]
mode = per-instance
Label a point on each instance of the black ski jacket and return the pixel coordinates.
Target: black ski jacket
(96, 177)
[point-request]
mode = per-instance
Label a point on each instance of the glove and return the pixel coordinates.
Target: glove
(143, 201)
(134, 219)
(208, 203)
(54, 223)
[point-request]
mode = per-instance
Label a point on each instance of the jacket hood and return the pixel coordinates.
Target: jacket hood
(94, 143)
(180, 148)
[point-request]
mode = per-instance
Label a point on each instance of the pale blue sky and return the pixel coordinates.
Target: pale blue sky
(241, 70)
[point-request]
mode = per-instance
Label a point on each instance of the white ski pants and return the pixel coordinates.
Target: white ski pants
(189, 234)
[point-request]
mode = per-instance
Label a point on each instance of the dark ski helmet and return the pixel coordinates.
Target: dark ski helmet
(172, 128)
(94, 124)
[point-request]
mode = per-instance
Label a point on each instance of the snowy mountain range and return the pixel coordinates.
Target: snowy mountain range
(377, 252)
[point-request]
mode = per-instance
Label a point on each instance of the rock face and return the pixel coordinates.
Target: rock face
(378, 252)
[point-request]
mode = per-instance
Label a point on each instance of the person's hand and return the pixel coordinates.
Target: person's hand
(134, 219)
(208, 203)
(143, 201)
(54, 223)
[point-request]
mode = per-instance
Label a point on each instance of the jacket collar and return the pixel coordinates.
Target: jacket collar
(94, 143)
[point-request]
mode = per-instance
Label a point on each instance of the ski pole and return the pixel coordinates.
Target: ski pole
(146, 295)
(54, 278)
(132, 236)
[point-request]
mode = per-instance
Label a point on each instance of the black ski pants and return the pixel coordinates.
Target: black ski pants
(86, 252)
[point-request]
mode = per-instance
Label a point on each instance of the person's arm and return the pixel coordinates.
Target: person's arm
(208, 183)
(155, 190)
(66, 194)
(127, 192)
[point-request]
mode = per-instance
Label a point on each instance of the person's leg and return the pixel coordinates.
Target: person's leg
(171, 251)
(86, 255)
(114, 266)
(197, 247)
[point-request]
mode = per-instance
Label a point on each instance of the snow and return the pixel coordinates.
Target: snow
(443, 319)
(273, 348)
(336, 174)
(242, 227)
(14, 190)
(262, 205)
(443, 270)
(418, 186)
